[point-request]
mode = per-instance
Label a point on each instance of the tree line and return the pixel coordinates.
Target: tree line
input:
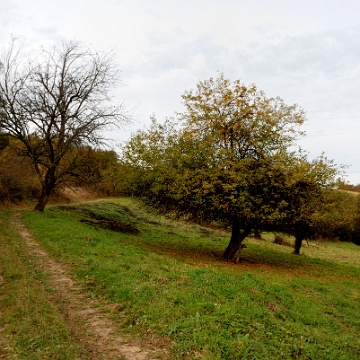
(227, 158)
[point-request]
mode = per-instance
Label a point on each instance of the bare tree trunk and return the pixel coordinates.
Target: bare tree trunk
(43, 199)
(48, 185)
(237, 237)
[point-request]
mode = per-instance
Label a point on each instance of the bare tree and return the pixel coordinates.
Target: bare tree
(55, 103)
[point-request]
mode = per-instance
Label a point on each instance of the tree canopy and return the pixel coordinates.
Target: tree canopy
(55, 103)
(227, 158)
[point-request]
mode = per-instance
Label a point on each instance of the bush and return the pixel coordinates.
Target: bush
(18, 180)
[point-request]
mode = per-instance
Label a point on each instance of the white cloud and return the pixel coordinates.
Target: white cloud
(303, 51)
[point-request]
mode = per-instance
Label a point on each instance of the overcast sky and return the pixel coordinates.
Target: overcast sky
(305, 51)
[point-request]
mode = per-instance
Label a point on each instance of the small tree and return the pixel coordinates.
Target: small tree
(55, 103)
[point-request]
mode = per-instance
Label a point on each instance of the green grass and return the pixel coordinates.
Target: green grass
(167, 286)
(31, 327)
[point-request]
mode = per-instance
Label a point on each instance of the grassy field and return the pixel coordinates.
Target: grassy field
(165, 285)
(30, 325)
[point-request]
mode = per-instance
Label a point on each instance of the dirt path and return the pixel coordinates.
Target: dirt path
(90, 327)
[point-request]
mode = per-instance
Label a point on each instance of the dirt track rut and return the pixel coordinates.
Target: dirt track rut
(90, 327)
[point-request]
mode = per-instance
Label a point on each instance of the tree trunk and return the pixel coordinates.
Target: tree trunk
(302, 231)
(257, 233)
(48, 185)
(43, 199)
(298, 242)
(237, 237)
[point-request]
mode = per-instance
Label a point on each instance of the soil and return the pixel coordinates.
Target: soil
(103, 222)
(77, 194)
(91, 328)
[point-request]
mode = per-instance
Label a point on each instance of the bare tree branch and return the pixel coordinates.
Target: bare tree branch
(55, 102)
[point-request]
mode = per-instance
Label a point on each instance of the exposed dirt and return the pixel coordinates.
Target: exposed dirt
(91, 328)
(78, 194)
(104, 222)
(113, 225)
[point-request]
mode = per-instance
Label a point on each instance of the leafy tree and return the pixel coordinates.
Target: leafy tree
(355, 236)
(226, 158)
(99, 169)
(338, 216)
(56, 103)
